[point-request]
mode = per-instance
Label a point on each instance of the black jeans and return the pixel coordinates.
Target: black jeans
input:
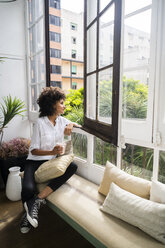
(29, 188)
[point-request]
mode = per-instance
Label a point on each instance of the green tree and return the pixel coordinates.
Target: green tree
(74, 106)
(135, 97)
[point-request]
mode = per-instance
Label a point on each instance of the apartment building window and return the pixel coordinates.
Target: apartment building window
(73, 40)
(56, 84)
(56, 69)
(73, 26)
(56, 37)
(54, 4)
(74, 69)
(74, 85)
(55, 20)
(55, 53)
(73, 54)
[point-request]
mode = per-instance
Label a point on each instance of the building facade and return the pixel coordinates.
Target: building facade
(66, 47)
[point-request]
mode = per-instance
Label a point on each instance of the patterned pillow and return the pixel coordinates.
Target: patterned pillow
(53, 168)
(147, 215)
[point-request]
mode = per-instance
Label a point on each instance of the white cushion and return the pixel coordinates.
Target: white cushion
(157, 192)
(53, 168)
(135, 185)
(147, 215)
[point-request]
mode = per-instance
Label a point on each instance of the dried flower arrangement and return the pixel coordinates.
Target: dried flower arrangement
(17, 147)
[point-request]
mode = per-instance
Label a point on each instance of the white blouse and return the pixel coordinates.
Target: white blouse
(46, 136)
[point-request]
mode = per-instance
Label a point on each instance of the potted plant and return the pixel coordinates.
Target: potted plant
(13, 153)
(8, 111)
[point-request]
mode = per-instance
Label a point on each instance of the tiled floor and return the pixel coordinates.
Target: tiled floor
(52, 232)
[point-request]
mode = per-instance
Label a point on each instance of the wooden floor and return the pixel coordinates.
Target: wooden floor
(52, 231)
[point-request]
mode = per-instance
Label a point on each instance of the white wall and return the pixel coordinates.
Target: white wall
(13, 69)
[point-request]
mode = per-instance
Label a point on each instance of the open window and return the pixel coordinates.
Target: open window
(102, 31)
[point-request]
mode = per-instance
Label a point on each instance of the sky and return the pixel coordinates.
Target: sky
(73, 5)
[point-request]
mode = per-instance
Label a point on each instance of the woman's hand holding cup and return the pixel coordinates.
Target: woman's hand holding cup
(58, 149)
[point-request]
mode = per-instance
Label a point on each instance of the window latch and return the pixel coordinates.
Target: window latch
(122, 142)
(158, 139)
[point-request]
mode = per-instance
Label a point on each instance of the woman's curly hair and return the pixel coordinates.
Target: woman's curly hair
(48, 98)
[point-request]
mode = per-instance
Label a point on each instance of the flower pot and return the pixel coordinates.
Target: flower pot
(13, 186)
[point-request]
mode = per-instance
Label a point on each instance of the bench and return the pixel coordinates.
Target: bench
(78, 202)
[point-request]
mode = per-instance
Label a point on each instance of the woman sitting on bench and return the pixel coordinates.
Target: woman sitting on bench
(48, 134)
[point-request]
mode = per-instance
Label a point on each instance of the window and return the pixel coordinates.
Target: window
(56, 69)
(73, 26)
(73, 40)
(104, 151)
(74, 69)
(102, 64)
(55, 53)
(138, 161)
(54, 4)
(56, 84)
(73, 54)
(36, 52)
(74, 85)
(55, 36)
(55, 20)
(138, 77)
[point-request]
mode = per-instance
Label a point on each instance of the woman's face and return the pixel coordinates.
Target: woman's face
(60, 107)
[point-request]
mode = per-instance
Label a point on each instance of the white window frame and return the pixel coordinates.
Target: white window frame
(95, 172)
(86, 167)
(143, 133)
(33, 115)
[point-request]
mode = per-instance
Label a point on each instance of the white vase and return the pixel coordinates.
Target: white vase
(13, 186)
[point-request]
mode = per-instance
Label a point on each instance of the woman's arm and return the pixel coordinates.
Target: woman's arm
(69, 127)
(57, 150)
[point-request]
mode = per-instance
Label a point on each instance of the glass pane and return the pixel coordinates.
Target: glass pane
(32, 39)
(41, 67)
(106, 33)
(34, 105)
(39, 29)
(91, 49)
(135, 94)
(31, 11)
(79, 142)
(33, 70)
(138, 161)
(104, 151)
(136, 78)
(91, 98)
(40, 88)
(91, 11)
(103, 4)
(105, 96)
(133, 5)
(161, 176)
(39, 8)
